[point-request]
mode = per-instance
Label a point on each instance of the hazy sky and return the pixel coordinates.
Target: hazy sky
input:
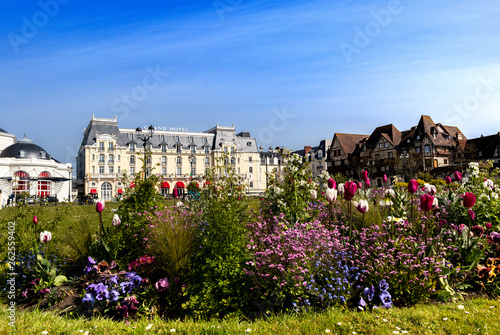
(289, 72)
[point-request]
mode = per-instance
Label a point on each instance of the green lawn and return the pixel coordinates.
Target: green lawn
(478, 316)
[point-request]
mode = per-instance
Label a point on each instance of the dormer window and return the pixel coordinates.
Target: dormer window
(22, 153)
(43, 154)
(418, 137)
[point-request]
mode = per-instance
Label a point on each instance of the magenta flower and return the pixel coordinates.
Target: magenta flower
(412, 186)
(367, 182)
(174, 193)
(457, 176)
(426, 202)
(360, 186)
(365, 175)
(487, 225)
(448, 180)
(469, 199)
(350, 188)
(332, 183)
(35, 219)
(384, 178)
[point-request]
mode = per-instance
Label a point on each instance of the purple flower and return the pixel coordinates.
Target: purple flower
(88, 300)
(495, 237)
(362, 302)
(385, 299)
(114, 295)
(369, 293)
(383, 285)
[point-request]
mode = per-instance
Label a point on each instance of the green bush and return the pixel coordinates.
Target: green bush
(217, 281)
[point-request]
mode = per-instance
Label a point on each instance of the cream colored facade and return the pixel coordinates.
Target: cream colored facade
(107, 153)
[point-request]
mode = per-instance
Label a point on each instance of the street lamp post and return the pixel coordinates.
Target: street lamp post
(15, 181)
(145, 138)
(265, 158)
(404, 159)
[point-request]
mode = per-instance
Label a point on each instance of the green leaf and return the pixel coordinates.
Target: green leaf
(59, 280)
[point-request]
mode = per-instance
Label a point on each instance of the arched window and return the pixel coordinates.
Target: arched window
(22, 184)
(44, 184)
(106, 190)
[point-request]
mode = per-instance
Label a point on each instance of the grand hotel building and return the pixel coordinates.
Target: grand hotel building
(178, 157)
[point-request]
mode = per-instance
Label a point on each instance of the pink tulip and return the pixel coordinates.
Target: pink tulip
(360, 185)
(332, 183)
(331, 195)
(412, 186)
(367, 182)
(45, 236)
(362, 206)
(365, 175)
(457, 175)
(469, 199)
(448, 180)
(35, 219)
(487, 225)
(314, 194)
(384, 178)
(430, 189)
(99, 206)
(350, 188)
(426, 202)
(174, 193)
(472, 214)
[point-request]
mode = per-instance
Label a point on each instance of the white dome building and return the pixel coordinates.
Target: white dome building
(27, 168)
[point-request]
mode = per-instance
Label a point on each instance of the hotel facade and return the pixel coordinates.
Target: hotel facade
(108, 153)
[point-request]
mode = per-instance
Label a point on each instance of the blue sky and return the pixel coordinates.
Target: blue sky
(289, 72)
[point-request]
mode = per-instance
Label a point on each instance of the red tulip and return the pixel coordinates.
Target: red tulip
(412, 186)
(487, 225)
(457, 175)
(469, 199)
(365, 175)
(174, 193)
(360, 185)
(99, 206)
(350, 190)
(384, 178)
(332, 183)
(35, 219)
(448, 180)
(426, 202)
(367, 182)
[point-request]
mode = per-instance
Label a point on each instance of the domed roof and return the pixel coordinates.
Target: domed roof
(25, 148)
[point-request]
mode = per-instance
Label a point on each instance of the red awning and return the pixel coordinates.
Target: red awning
(197, 185)
(93, 191)
(165, 184)
(120, 191)
(180, 184)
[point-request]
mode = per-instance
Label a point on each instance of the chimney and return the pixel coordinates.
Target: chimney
(307, 148)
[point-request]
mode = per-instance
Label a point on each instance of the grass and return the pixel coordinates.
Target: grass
(479, 316)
